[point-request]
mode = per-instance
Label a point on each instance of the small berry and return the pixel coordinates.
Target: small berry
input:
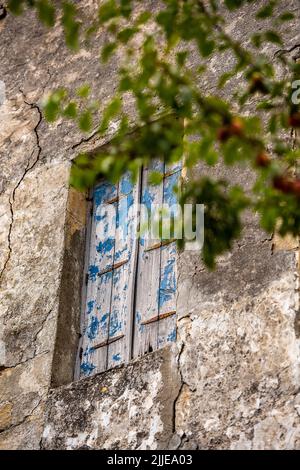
(262, 160)
(237, 127)
(258, 84)
(294, 120)
(223, 134)
(296, 187)
(283, 184)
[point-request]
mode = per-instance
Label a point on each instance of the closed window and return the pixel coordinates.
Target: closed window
(130, 306)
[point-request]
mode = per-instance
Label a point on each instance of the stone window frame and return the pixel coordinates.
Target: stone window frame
(65, 364)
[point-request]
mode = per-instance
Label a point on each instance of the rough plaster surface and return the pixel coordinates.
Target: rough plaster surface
(135, 401)
(233, 379)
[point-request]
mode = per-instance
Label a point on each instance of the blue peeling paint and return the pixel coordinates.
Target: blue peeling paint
(88, 351)
(105, 246)
(103, 323)
(99, 218)
(114, 325)
(138, 318)
(117, 275)
(104, 192)
(129, 200)
(93, 328)
(116, 357)
(157, 165)
(119, 253)
(87, 368)
(147, 198)
(122, 215)
(104, 318)
(170, 197)
(126, 185)
(93, 271)
(172, 336)
(106, 277)
(167, 283)
(90, 306)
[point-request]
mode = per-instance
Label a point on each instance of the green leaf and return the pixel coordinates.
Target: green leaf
(70, 111)
(107, 51)
(266, 11)
(155, 177)
(233, 4)
(126, 34)
(16, 6)
(46, 12)
(286, 16)
(143, 18)
(52, 105)
(206, 47)
(110, 112)
(85, 121)
(107, 11)
(224, 78)
(83, 91)
(273, 37)
(71, 25)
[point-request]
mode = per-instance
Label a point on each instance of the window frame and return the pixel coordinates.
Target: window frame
(132, 321)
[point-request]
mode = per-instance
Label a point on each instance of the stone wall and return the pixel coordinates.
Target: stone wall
(232, 379)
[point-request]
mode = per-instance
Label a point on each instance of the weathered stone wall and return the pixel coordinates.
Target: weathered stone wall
(231, 381)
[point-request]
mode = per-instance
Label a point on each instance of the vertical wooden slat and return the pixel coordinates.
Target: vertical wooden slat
(146, 307)
(99, 285)
(168, 271)
(120, 324)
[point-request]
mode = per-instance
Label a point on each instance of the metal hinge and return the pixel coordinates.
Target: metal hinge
(161, 316)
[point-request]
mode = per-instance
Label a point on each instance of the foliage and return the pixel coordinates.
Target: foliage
(156, 72)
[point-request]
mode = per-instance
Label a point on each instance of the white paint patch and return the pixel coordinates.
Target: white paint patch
(2, 92)
(105, 419)
(156, 426)
(75, 442)
(2, 352)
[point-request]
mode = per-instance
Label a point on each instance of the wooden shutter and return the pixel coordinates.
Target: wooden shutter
(108, 318)
(155, 307)
(131, 283)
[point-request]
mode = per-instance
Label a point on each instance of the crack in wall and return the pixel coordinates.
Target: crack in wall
(23, 420)
(4, 368)
(183, 384)
(85, 139)
(281, 52)
(28, 168)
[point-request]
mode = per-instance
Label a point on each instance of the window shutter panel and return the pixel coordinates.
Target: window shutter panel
(121, 313)
(168, 268)
(155, 308)
(131, 283)
(106, 335)
(147, 283)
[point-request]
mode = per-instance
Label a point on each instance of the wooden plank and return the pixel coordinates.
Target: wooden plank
(147, 284)
(77, 372)
(123, 276)
(168, 268)
(167, 295)
(99, 288)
